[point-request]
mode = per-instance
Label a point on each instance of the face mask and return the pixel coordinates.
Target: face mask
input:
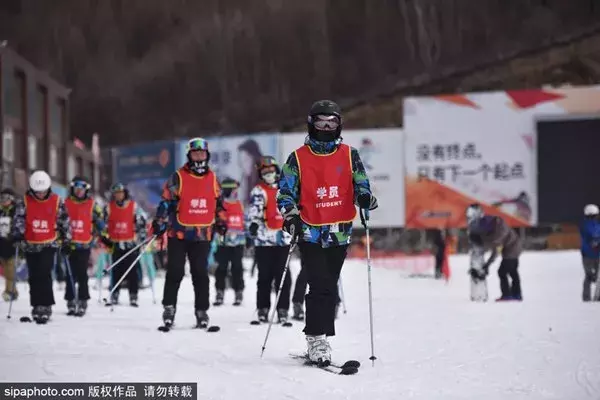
(269, 177)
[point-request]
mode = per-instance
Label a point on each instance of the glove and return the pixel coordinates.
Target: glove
(367, 201)
(107, 242)
(66, 248)
(220, 227)
(158, 227)
(292, 223)
(253, 230)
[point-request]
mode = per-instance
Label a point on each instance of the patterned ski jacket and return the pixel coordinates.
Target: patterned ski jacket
(167, 208)
(289, 195)
(63, 227)
(7, 247)
(256, 214)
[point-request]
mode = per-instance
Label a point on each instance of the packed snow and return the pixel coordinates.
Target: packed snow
(431, 342)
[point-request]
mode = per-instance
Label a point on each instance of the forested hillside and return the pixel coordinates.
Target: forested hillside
(170, 68)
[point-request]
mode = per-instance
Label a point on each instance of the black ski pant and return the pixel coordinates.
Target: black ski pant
(323, 267)
(300, 288)
(39, 265)
(270, 261)
(590, 268)
(440, 254)
(121, 268)
(78, 261)
(509, 268)
(197, 255)
(226, 256)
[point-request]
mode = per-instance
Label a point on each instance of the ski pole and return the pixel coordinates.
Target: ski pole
(364, 216)
(133, 264)
(342, 297)
(151, 270)
(285, 271)
(106, 270)
(14, 288)
(71, 277)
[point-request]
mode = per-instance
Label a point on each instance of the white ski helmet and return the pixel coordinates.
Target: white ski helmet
(40, 181)
(591, 210)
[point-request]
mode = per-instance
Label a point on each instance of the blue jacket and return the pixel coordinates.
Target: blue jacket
(590, 238)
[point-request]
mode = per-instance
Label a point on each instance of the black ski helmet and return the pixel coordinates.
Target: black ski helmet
(328, 114)
(7, 194)
(79, 182)
(228, 185)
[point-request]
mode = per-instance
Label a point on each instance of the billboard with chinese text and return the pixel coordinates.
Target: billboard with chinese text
(479, 148)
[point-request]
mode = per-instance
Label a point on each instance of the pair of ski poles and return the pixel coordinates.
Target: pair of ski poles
(364, 218)
(146, 245)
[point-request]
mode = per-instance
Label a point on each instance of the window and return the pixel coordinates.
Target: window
(53, 164)
(37, 114)
(32, 155)
(8, 144)
(56, 119)
(71, 168)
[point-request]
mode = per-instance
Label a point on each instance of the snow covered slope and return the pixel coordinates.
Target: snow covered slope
(431, 341)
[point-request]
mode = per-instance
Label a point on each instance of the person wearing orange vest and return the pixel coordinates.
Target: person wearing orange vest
(126, 228)
(41, 226)
(272, 245)
(189, 211)
(231, 245)
(87, 221)
(320, 184)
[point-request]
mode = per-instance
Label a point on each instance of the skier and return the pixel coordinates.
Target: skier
(271, 244)
(590, 248)
(494, 233)
(190, 207)
(300, 292)
(126, 228)
(7, 245)
(231, 246)
(319, 186)
(41, 222)
(86, 219)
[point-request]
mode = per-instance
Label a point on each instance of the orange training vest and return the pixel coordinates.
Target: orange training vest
(273, 218)
(80, 214)
(120, 222)
(197, 198)
(234, 215)
(40, 219)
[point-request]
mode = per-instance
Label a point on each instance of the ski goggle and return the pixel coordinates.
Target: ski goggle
(197, 144)
(6, 197)
(230, 185)
(80, 185)
(326, 122)
(119, 187)
(265, 162)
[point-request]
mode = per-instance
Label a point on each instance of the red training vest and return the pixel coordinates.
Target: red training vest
(234, 215)
(326, 188)
(197, 198)
(273, 218)
(121, 221)
(40, 219)
(80, 214)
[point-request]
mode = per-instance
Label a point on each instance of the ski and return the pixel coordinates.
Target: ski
(212, 328)
(286, 324)
(38, 321)
(349, 367)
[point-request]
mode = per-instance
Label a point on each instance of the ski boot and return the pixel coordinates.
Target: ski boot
(239, 297)
(298, 312)
(41, 314)
(319, 350)
(81, 308)
(114, 300)
(71, 307)
(133, 300)
(263, 315)
(36, 313)
(282, 317)
(201, 319)
(168, 316)
(219, 299)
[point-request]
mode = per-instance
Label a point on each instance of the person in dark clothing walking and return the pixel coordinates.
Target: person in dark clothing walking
(590, 249)
(189, 209)
(231, 245)
(126, 228)
(86, 220)
(320, 184)
(41, 226)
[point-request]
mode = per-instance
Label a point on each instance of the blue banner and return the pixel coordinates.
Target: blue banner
(144, 170)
